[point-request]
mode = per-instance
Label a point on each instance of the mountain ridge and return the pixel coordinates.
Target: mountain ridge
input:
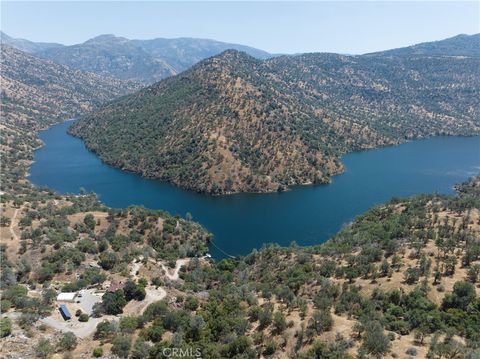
(459, 45)
(44, 91)
(232, 123)
(27, 45)
(145, 61)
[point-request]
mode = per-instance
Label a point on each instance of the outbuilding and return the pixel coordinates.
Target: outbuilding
(64, 312)
(67, 297)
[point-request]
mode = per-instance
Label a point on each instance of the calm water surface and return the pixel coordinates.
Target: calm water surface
(307, 215)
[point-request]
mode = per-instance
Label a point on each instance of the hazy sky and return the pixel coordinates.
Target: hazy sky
(279, 27)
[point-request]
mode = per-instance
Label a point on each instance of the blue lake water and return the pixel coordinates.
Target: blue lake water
(307, 215)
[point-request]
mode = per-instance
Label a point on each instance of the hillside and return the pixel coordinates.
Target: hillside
(34, 88)
(460, 45)
(233, 123)
(145, 61)
(400, 281)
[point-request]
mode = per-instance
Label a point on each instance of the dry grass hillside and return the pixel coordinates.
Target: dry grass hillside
(233, 123)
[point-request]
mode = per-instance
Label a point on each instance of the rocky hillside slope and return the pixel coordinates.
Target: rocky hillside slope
(233, 123)
(33, 88)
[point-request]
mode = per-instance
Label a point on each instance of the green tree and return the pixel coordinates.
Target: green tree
(133, 291)
(89, 221)
(279, 322)
(113, 302)
(463, 294)
(473, 273)
(321, 321)
(375, 341)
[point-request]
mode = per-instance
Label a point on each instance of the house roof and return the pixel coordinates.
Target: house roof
(66, 296)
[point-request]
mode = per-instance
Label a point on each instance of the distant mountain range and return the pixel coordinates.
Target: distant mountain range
(460, 45)
(40, 91)
(26, 45)
(145, 61)
(233, 123)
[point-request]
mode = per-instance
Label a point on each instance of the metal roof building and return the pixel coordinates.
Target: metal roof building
(67, 297)
(64, 312)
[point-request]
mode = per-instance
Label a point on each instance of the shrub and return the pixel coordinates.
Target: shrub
(121, 346)
(68, 341)
(98, 352)
(128, 324)
(191, 303)
(5, 305)
(5, 327)
(43, 348)
(83, 317)
(104, 330)
(270, 348)
(411, 351)
(279, 322)
(89, 221)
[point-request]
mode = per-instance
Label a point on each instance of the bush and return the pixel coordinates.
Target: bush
(83, 317)
(5, 305)
(279, 322)
(68, 341)
(121, 346)
(104, 330)
(5, 327)
(89, 221)
(128, 324)
(140, 350)
(43, 348)
(270, 348)
(411, 351)
(191, 303)
(98, 352)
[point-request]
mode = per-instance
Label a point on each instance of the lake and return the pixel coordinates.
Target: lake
(307, 215)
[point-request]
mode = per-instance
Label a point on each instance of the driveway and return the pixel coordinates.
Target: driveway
(81, 330)
(88, 300)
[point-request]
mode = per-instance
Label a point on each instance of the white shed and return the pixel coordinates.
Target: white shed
(67, 297)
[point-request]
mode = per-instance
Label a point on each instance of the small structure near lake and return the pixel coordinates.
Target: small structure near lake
(64, 312)
(67, 297)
